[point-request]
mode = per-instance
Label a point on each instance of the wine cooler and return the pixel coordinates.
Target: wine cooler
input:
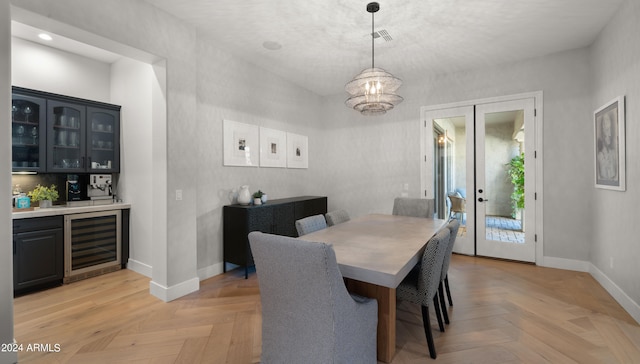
(92, 244)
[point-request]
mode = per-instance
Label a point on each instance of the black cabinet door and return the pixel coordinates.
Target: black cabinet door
(28, 133)
(37, 258)
(66, 137)
(260, 219)
(103, 140)
(284, 220)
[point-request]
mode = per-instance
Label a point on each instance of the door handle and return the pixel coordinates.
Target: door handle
(482, 200)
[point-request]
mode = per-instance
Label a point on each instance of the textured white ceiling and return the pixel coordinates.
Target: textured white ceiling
(327, 42)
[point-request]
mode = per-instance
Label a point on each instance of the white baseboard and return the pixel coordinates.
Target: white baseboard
(568, 264)
(210, 271)
(139, 267)
(176, 291)
(618, 294)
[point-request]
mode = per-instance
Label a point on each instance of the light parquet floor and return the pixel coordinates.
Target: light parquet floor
(503, 312)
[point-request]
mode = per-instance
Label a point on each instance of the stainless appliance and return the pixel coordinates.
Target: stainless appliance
(99, 187)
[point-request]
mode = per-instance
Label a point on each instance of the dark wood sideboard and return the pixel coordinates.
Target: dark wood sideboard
(274, 217)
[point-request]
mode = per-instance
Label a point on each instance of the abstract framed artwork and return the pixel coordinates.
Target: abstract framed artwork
(609, 132)
(273, 147)
(297, 151)
(240, 144)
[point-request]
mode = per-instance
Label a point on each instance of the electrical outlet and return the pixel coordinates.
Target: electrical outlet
(178, 195)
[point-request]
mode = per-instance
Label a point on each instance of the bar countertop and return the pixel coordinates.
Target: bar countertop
(66, 210)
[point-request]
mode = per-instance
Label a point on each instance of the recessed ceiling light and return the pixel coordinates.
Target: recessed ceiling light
(272, 46)
(44, 36)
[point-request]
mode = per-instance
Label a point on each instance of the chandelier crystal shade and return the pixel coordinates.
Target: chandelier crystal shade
(373, 91)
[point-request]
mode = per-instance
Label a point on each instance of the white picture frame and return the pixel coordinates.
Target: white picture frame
(273, 148)
(609, 139)
(241, 144)
(297, 151)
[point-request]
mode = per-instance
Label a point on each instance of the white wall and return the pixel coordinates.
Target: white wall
(131, 83)
(48, 69)
(6, 239)
(616, 69)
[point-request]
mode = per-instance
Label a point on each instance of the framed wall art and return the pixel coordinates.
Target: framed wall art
(273, 148)
(297, 151)
(609, 132)
(240, 144)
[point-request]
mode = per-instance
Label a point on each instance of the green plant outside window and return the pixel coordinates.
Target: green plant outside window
(516, 174)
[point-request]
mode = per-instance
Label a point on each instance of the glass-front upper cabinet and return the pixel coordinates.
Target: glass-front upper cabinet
(28, 133)
(103, 149)
(62, 134)
(66, 137)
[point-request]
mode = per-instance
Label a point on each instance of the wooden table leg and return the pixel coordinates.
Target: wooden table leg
(386, 298)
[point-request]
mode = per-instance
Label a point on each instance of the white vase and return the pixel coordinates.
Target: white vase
(244, 196)
(45, 204)
(264, 198)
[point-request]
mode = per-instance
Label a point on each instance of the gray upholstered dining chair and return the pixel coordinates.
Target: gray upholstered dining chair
(421, 284)
(336, 217)
(453, 227)
(417, 207)
(307, 314)
(310, 224)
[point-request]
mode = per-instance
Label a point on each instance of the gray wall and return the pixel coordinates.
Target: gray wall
(615, 65)
(6, 247)
(229, 88)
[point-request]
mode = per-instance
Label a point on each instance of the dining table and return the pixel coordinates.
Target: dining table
(375, 252)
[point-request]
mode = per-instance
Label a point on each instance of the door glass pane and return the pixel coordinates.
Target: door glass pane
(453, 168)
(102, 140)
(439, 173)
(93, 241)
(504, 176)
(25, 134)
(67, 134)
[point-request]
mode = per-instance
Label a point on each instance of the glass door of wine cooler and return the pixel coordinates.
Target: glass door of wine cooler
(92, 243)
(66, 137)
(28, 133)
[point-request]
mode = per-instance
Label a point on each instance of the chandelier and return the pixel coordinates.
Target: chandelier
(373, 91)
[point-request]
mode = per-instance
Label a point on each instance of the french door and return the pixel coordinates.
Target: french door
(469, 150)
(502, 212)
(448, 169)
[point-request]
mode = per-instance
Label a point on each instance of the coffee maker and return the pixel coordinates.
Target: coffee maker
(74, 192)
(99, 187)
